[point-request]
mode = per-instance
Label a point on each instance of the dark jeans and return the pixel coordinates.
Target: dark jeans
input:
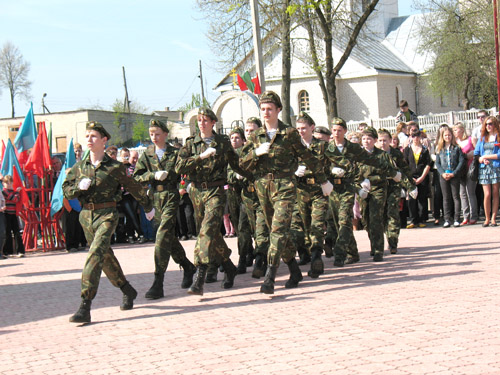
(185, 218)
(73, 231)
(418, 207)
(437, 196)
(451, 198)
(130, 207)
(12, 230)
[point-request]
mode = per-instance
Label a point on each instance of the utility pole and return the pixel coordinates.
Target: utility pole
(126, 103)
(202, 91)
(257, 44)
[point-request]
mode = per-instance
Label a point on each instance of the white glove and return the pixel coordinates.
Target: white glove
(262, 149)
(84, 183)
(301, 171)
(208, 152)
(238, 176)
(339, 172)
(433, 157)
(362, 193)
(403, 193)
(188, 188)
(150, 215)
(327, 188)
(414, 193)
(161, 175)
(397, 177)
(366, 185)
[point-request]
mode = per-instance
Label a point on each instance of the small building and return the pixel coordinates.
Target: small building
(72, 124)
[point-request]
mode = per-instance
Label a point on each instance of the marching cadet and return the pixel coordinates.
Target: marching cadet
(272, 154)
(255, 213)
(156, 167)
(96, 182)
(204, 159)
(374, 193)
(237, 211)
(312, 204)
(343, 156)
(392, 222)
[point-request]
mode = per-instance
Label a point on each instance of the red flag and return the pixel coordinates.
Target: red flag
(2, 152)
(241, 83)
(39, 158)
(256, 83)
(24, 202)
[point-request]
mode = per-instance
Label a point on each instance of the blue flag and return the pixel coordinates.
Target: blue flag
(57, 194)
(27, 135)
(9, 160)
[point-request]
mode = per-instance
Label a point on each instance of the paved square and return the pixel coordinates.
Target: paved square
(434, 308)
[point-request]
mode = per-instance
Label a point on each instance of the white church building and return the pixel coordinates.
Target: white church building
(382, 69)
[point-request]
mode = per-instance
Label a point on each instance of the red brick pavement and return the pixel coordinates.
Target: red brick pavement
(431, 309)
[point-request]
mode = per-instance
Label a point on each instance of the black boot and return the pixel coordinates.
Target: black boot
(212, 274)
(199, 280)
(304, 256)
(156, 290)
(259, 266)
(295, 274)
(189, 271)
(83, 313)
(230, 272)
(268, 286)
(328, 249)
(129, 294)
(317, 266)
(250, 258)
(242, 265)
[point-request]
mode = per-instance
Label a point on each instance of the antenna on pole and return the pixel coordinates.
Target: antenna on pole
(202, 91)
(44, 107)
(126, 102)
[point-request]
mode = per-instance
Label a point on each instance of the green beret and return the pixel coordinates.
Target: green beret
(256, 121)
(239, 131)
(339, 121)
(304, 117)
(371, 132)
(158, 124)
(92, 125)
(322, 130)
(205, 111)
(270, 97)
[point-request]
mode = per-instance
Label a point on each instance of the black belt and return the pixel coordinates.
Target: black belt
(307, 180)
(160, 188)
(98, 206)
(276, 175)
(207, 185)
(336, 181)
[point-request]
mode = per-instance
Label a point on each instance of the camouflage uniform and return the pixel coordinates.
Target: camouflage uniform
(166, 203)
(345, 188)
(239, 216)
(98, 222)
(372, 207)
(208, 177)
(313, 205)
(273, 173)
(392, 221)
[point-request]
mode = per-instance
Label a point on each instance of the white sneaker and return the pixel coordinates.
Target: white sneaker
(456, 224)
(446, 224)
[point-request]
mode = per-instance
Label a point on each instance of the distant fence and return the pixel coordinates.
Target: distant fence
(430, 123)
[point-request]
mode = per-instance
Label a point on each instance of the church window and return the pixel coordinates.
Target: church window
(304, 101)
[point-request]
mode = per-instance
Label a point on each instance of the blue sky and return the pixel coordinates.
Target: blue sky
(77, 48)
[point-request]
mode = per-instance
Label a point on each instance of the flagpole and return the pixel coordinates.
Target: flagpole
(257, 44)
(495, 20)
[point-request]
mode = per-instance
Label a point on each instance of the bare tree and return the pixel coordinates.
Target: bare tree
(322, 19)
(14, 72)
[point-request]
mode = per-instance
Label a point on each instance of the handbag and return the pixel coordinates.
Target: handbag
(473, 172)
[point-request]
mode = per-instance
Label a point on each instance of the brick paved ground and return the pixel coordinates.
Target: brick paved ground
(431, 309)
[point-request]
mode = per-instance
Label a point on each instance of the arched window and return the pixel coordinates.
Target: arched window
(304, 101)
